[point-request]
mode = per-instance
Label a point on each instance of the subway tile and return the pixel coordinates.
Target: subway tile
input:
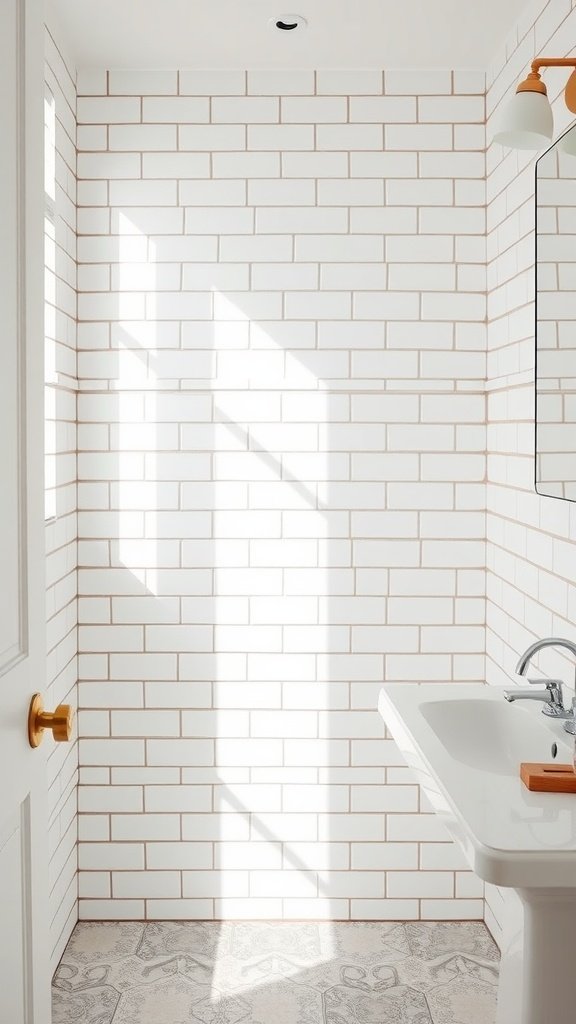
(91, 82)
(351, 827)
(249, 751)
(466, 109)
(280, 191)
(314, 165)
(142, 193)
(300, 220)
(420, 81)
(255, 248)
(421, 884)
(245, 110)
(145, 826)
(111, 751)
(415, 828)
(313, 109)
(283, 723)
(113, 909)
(180, 752)
(109, 798)
(212, 83)
(90, 137)
(135, 82)
(93, 828)
(179, 855)
(234, 908)
(383, 109)
(208, 137)
(398, 220)
(281, 137)
(420, 192)
(141, 137)
(175, 165)
(285, 276)
(452, 165)
(143, 776)
(181, 694)
(108, 165)
(180, 909)
(207, 723)
(280, 82)
(144, 884)
(384, 910)
(94, 885)
(384, 165)
(245, 165)
(452, 910)
(212, 193)
(350, 192)
(226, 885)
(107, 110)
(338, 248)
(419, 137)
(176, 110)
(348, 136)
(215, 827)
(452, 221)
(384, 856)
(145, 723)
(348, 82)
(251, 855)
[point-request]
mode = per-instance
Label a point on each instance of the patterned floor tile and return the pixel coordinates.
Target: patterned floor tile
(277, 973)
(464, 1000)
(103, 940)
(172, 1000)
(200, 938)
(294, 940)
(429, 939)
(428, 974)
(386, 942)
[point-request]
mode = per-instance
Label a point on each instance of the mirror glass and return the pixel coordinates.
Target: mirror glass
(555, 463)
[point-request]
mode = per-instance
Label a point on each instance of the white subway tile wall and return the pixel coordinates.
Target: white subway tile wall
(61, 526)
(280, 474)
(531, 588)
(281, 356)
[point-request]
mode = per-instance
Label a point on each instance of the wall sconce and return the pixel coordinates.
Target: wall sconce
(526, 122)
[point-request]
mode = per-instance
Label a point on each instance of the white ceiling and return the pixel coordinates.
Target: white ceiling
(236, 34)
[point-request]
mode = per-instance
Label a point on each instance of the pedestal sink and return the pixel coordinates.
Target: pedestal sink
(465, 743)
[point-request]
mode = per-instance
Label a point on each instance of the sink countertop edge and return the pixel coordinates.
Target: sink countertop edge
(500, 867)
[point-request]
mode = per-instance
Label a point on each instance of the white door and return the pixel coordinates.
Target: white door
(24, 953)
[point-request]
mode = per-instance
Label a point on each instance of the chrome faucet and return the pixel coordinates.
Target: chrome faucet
(539, 645)
(552, 694)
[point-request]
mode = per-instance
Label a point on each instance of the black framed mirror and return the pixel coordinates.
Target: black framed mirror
(555, 310)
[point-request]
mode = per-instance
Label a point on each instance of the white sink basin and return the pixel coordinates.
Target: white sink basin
(466, 743)
(488, 735)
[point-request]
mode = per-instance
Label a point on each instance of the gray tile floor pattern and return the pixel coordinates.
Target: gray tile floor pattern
(187, 972)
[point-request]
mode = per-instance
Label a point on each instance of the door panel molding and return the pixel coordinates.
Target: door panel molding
(15, 865)
(14, 638)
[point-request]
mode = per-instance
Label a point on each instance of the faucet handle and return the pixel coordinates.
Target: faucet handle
(545, 682)
(554, 687)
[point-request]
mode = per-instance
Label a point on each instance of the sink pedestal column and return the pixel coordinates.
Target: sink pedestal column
(538, 973)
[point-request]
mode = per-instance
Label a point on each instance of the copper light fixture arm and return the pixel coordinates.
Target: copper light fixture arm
(534, 83)
(553, 62)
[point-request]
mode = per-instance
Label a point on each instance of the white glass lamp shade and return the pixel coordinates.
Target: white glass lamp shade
(526, 122)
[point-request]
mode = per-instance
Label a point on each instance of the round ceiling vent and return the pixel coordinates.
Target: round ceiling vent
(288, 23)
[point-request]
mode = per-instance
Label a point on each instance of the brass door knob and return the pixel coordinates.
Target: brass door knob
(59, 721)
